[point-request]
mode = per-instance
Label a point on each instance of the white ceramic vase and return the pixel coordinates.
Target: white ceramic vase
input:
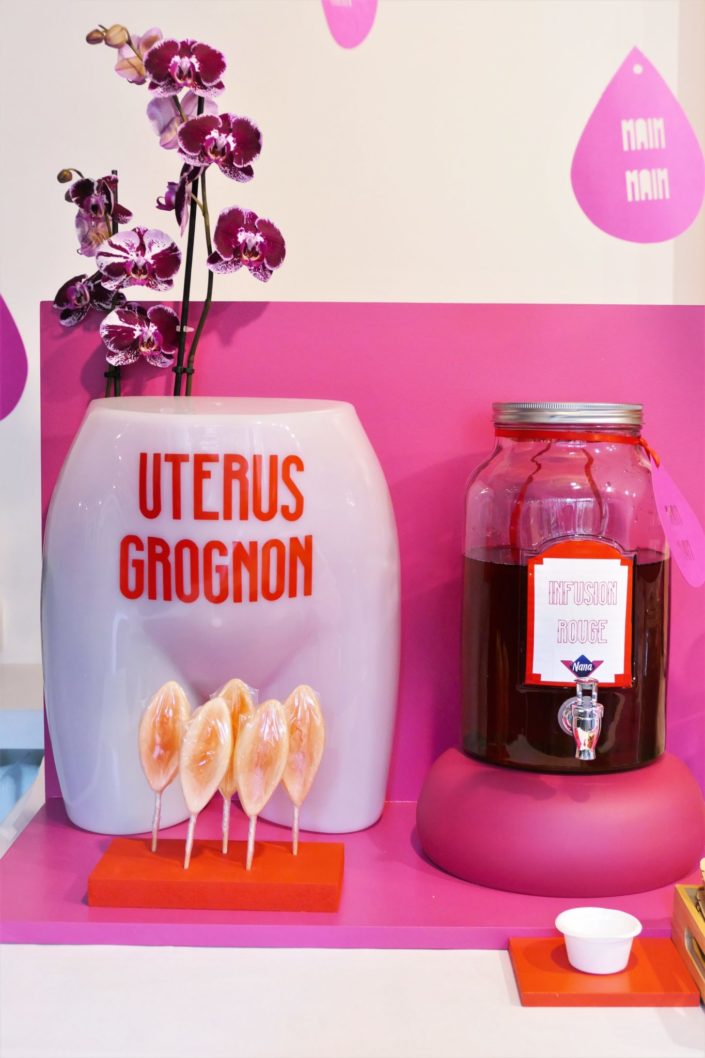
(199, 539)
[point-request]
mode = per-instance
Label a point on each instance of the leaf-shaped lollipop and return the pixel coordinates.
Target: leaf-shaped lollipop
(238, 698)
(260, 759)
(205, 756)
(306, 741)
(162, 730)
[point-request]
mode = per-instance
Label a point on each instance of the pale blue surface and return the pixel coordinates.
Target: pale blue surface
(18, 770)
(21, 752)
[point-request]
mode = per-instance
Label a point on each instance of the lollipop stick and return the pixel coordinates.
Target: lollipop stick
(295, 831)
(189, 840)
(226, 823)
(251, 841)
(156, 820)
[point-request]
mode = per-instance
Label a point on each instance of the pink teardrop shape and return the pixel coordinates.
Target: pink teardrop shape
(350, 20)
(638, 171)
(13, 362)
(684, 533)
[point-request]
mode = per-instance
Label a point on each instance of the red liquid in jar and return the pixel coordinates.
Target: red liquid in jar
(507, 722)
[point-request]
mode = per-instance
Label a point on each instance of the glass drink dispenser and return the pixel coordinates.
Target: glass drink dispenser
(566, 593)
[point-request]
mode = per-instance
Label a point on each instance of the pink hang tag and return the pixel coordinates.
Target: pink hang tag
(350, 20)
(638, 171)
(13, 362)
(685, 534)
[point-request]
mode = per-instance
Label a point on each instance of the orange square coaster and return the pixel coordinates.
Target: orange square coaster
(130, 875)
(655, 976)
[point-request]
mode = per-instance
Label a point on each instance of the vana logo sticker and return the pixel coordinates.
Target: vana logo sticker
(582, 666)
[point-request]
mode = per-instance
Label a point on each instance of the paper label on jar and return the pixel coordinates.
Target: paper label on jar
(579, 615)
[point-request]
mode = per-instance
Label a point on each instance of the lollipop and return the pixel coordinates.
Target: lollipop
(205, 756)
(161, 734)
(238, 698)
(260, 759)
(306, 740)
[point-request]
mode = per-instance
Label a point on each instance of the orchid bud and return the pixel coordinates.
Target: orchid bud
(96, 36)
(116, 36)
(65, 176)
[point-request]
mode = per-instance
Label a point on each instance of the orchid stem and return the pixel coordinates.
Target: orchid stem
(179, 368)
(209, 289)
(185, 299)
(117, 388)
(206, 215)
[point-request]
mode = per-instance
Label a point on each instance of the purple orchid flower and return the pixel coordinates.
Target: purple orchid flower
(167, 201)
(80, 294)
(178, 195)
(131, 332)
(97, 198)
(130, 65)
(141, 257)
(92, 232)
(174, 65)
(97, 209)
(243, 238)
(166, 119)
(226, 139)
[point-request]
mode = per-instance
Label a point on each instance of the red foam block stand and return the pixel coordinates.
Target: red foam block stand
(130, 875)
(562, 835)
(655, 976)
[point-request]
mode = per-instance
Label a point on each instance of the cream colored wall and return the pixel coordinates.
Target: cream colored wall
(430, 164)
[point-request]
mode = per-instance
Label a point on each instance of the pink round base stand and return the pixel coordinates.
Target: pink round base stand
(562, 835)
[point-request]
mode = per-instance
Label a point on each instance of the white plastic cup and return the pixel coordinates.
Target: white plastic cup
(598, 939)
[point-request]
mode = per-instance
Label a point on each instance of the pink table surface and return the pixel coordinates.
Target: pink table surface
(392, 897)
(422, 378)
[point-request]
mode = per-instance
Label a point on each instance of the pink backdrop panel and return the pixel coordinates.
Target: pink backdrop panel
(422, 378)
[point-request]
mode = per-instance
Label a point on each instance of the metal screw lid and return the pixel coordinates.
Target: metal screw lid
(567, 413)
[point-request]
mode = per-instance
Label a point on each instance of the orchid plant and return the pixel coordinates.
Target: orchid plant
(182, 79)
